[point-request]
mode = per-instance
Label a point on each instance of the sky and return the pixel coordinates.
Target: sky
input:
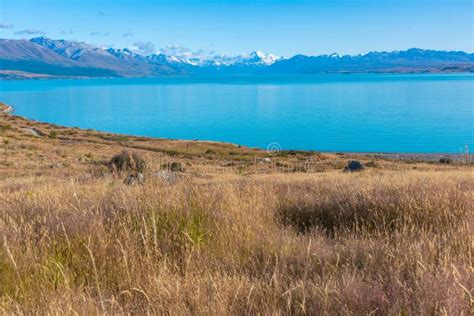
(284, 28)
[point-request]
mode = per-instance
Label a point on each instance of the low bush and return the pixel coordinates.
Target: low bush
(173, 166)
(53, 134)
(5, 127)
(371, 164)
(446, 161)
(124, 162)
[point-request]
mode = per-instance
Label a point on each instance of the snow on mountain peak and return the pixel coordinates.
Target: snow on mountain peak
(176, 54)
(121, 52)
(267, 59)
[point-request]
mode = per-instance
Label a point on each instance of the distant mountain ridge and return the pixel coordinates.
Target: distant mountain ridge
(411, 60)
(42, 55)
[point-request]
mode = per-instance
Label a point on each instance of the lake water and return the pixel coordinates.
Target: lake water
(356, 113)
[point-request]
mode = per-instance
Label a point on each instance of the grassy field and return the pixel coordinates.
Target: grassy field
(236, 231)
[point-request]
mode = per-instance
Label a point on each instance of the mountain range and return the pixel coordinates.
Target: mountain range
(45, 57)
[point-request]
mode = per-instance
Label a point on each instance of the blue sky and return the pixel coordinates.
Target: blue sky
(283, 27)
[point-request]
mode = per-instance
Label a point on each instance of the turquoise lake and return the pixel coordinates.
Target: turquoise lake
(356, 113)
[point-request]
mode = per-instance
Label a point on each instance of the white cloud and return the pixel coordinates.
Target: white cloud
(184, 52)
(68, 31)
(30, 32)
(6, 26)
(98, 34)
(143, 48)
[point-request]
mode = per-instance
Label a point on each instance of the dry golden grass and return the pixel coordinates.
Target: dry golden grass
(76, 239)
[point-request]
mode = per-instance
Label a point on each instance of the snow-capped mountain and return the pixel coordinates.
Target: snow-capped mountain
(61, 57)
(84, 54)
(254, 59)
(123, 53)
(43, 55)
(259, 58)
(72, 50)
(173, 60)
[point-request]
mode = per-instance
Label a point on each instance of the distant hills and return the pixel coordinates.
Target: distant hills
(411, 60)
(45, 57)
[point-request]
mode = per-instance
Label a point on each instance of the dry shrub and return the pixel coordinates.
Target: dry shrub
(369, 206)
(124, 162)
(173, 166)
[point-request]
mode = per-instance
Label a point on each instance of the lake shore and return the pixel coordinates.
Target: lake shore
(5, 108)
(426, 157)
(296, 112)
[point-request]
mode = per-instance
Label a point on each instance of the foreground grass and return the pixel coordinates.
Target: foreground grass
(231, 234)
(398, 242)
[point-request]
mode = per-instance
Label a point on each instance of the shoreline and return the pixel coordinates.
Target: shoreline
(397, 156)
(5, 108)
(41, 77)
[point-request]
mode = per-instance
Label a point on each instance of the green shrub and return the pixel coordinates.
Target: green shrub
(5, 127)
(53, 134)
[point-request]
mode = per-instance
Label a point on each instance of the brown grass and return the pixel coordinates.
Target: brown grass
(75, 239)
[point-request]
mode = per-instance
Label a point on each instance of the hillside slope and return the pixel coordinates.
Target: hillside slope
(62, 58)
